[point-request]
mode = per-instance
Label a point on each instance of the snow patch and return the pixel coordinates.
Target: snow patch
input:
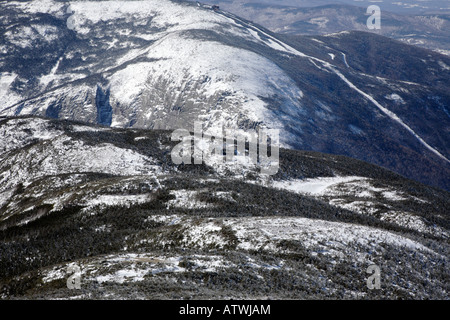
(332, 238)
(186, 199)
(317, 186)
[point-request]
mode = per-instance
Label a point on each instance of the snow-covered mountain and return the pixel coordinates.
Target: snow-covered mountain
(165, 64)
(111, 202)
(142, 63)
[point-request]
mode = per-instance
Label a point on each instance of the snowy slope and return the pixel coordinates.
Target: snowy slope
(112, 202)
(167, 69)
(166, 64)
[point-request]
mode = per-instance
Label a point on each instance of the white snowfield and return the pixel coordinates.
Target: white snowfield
(340, 185)
(247, 75)
(17, 133)
(135, 267)
(318, 186)
(114, 200)
(8, 96)
(335, 190)
(63, 155)
(323, 236)
(61, 159)
(319, 236)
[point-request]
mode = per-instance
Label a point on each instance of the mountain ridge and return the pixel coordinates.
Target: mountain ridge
(425, 30)
(139, 226)
(160, 74)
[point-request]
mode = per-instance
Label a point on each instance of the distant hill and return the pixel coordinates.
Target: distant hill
(427, 30)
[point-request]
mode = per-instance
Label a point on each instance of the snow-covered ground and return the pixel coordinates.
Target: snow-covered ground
(318, 186)
(63, 155)
(266, 233)
(186, 199)
(135, 267)
(323, 236)
(342, 191)
(67, 156)
(115, 200)
(17, 133)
